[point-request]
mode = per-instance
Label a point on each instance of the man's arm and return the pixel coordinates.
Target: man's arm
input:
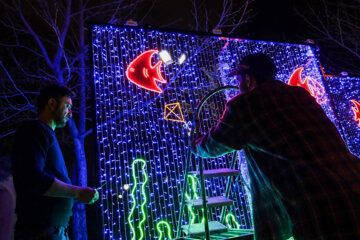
(215, 142)
(82, 194)
(207, 147)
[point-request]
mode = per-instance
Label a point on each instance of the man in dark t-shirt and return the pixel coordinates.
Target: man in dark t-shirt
(305, 183)
(44, 191)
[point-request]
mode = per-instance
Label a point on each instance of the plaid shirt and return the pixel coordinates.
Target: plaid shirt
(304, 181)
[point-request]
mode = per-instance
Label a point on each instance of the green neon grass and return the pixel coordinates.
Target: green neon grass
(291, 238)
(193, 186)
(233, 218)
(143, 212)
(167, 225)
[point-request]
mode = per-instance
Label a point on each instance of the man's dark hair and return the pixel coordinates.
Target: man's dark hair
(260, 65)
(52, 91)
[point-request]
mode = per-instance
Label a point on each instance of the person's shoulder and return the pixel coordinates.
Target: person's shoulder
(278, 86)
(30, 124)
(273, 84)
(33, 126)
(236, 99)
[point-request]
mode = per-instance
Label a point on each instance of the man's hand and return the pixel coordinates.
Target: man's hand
(193, 146)
(87, 195)
(196, 139)
(82, 194)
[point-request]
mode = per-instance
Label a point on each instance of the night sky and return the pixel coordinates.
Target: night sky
(275, 20)
(272, 21)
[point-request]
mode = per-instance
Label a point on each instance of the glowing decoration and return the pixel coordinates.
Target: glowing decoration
(182, 58)
(126, 187)
(356, 110)
(142, 73)
(192, 182)
(143, 211)
(231, 217)
(130, 124)
(342, 91)
(165, 57)
(173, 112)
(291, 238)
(161, 232)
(309, 84)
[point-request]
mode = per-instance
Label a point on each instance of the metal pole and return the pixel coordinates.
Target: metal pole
(203, 196)
(228, 186)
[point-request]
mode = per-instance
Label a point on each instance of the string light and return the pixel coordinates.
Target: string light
(343, 90)
(130, 120)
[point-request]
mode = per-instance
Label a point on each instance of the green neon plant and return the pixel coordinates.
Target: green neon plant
(161, 233)
(193, 186)
(143, 212)
(231, 217)
(192, 181)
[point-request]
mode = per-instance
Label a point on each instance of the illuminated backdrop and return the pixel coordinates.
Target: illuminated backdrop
(142, 134)
(343, 90)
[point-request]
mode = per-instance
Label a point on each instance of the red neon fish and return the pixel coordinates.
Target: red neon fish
(356, 110)
(142, 73)
(315, 89)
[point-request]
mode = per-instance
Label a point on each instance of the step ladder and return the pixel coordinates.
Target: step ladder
(209, 228)
(212, 229)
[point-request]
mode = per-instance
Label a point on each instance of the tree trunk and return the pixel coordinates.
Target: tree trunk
(79, 214)
(80, 179)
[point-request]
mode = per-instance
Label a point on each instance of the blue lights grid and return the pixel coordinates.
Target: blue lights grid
(342, 90)
(130, 120)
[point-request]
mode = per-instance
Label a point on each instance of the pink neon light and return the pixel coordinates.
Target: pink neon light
(225, 46)
(309, 84)
(356, 110)
(142, 73)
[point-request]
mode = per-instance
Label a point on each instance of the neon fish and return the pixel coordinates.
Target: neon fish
(356, 110)
(142, 73)
(315, 89)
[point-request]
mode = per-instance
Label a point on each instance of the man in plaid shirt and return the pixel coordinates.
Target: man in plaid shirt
(305, 183)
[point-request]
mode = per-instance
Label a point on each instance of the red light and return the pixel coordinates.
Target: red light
(309, 84)
(356, 110)
(142, 73)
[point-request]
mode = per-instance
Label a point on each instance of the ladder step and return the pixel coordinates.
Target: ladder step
(220, 172)
(199, 228)
(231, 234)
(211, 202)
(234, 234)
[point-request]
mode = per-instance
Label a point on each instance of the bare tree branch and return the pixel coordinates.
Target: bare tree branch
(336, 26)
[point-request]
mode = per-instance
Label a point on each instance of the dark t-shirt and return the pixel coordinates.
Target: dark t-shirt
(37, 160)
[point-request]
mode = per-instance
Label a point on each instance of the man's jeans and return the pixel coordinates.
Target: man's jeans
(50, 233)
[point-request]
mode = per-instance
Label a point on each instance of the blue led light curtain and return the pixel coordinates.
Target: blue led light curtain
(142, 135)
(343, 90)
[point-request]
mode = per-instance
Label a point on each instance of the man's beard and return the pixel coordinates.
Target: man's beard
(60, 121)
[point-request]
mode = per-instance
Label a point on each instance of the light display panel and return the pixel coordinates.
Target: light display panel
(345, 92)
(144, 107)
